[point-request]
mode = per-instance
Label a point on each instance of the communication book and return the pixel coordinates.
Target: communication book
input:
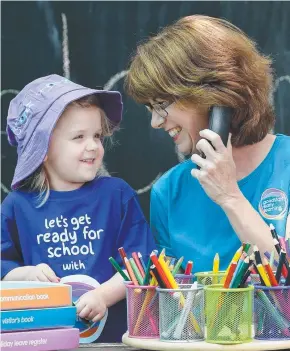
(23, 295)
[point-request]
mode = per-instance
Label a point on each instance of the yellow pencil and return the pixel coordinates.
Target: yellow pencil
(167, 272)
(215, 269)
(264, 275)
(162, 253)
(174, 285)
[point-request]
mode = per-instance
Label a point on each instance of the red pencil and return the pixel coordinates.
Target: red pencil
(155, 261)
(122, 254)
(188, 268)
(270, 273)
(138, 264)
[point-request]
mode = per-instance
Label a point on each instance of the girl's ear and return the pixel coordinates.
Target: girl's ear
(45, 159)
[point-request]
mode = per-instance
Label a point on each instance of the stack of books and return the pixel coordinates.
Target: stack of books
(37, 316)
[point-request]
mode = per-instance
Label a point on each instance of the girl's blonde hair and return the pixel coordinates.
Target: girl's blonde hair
(200, 60)
(38, 181)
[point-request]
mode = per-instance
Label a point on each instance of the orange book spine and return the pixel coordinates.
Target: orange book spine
(35, 297)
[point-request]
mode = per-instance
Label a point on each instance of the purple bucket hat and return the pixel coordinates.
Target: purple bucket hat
(33, 114)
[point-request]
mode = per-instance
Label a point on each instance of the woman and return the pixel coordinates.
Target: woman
(230, 195)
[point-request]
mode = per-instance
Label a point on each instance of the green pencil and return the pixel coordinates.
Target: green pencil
(177, 266)
(118, 268)
(237, 279)
(247, 247)
(147, 272)
(136, 271)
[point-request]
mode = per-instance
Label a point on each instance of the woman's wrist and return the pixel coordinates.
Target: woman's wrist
(232, 202)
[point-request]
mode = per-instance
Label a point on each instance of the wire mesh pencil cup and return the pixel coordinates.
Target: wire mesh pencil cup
(181, 314)
(255, 279)
(209, 278)
(228, 314)
(142, 311)
(272, 312)
(184, 278)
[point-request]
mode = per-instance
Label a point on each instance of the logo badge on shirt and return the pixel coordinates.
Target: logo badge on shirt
(273, 204)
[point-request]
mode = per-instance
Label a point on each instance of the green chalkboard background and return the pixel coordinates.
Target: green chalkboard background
(91, 42)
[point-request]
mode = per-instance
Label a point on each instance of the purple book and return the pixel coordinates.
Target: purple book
(41, 340)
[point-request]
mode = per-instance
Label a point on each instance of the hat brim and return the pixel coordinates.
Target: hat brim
(37, 147)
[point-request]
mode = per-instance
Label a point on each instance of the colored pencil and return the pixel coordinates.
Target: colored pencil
(130, 271)
(118, 268)
(177, 266)
(188, 268)
(162, 275)
(270, 273)
(122, 254)
(257, 255)
(138, 264)
(142, 261)
(136, 271)
(230, 274)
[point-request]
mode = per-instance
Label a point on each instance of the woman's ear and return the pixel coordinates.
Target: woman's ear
(45, 159)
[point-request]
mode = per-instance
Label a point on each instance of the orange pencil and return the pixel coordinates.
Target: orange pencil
(230, 274)
(130, 271)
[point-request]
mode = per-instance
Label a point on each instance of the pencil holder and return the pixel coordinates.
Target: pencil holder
(181, 313)
(272, 312)
(142, 311)
(209, 278)
(184, 278)
(228, 314)
(255, 279)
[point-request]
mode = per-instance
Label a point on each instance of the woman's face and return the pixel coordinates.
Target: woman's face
(182, 124)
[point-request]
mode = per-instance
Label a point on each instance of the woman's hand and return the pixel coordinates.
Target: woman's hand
(217, 173)
(91, 305)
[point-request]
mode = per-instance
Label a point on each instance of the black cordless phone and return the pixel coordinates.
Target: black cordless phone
(219, 122)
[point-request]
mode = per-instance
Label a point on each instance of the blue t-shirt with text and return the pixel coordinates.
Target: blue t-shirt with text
(75, 232)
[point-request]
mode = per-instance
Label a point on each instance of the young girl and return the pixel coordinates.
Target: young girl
(63, 218)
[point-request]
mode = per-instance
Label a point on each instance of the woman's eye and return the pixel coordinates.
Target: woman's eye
(98, 135)
(79, 137)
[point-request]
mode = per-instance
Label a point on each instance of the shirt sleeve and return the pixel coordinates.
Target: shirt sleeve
(159, 223)
(11, 256)
(134, 234)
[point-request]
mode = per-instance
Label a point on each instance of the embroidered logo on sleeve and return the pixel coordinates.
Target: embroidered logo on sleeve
(273, 204)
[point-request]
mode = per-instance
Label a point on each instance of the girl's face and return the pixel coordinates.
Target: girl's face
(75, 152)
(183, 125)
